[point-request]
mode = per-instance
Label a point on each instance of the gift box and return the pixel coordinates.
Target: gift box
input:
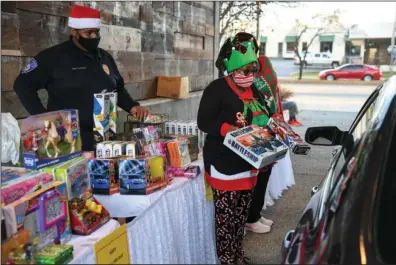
(288, 136)
(50, 138)
(54, 254)
(44, 213)
(103, 176)
(18, 182)
(256, 145)
(142, 176)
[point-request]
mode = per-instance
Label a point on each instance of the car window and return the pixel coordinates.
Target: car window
(325, 56)
(317, 55)
(358, 67)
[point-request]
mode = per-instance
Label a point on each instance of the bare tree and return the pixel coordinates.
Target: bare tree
(321, 24)
(232, 13)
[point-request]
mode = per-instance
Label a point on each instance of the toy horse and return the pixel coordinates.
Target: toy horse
(53, 138)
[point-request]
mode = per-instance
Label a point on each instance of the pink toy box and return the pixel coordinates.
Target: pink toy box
(44, 213)
(188, 172)
(50, 138)
(18, 182)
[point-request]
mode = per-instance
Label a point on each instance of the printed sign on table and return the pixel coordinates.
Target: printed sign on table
(113, 249)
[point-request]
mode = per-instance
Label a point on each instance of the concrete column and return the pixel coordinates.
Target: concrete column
(216, 42)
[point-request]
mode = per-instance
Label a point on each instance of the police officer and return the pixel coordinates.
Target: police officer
(72, 72)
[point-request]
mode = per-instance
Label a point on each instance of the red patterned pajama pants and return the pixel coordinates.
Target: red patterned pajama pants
(231, 210)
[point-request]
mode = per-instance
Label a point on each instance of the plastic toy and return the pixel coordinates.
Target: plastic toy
(17, 249)
(256, 145)
(18, 182)
(44, 213)
(103, 176)
(87, 215)
(142, 176)
(54, 254)
(50, 138)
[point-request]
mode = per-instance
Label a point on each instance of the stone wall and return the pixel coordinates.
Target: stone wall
(147, 39)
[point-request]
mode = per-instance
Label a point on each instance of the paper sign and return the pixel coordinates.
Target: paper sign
(113, 249)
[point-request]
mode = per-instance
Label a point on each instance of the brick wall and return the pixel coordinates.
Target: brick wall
(147, 39)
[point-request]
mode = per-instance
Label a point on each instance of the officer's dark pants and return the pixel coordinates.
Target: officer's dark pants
(258, 196)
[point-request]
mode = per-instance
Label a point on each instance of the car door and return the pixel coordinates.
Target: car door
(325, 59)
(344, 72)
(316, 58)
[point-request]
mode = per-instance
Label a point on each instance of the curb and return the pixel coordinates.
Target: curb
(335, 82)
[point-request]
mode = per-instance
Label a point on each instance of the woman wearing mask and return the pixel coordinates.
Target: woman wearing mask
(227, 104)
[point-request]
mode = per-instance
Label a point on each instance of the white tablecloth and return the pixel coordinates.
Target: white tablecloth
(132, 205)
(176, 228)
(85, 244)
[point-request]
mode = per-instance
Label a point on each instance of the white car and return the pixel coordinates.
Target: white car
(323, 59)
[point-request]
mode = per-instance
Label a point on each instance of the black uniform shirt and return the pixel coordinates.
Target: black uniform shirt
(71, 77)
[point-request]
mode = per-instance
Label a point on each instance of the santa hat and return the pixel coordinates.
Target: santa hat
(83, 17)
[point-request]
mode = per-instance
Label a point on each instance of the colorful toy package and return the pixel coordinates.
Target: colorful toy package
(101, 114)
(288, 136)
(256, 145)
(54, 254)
(178, 153)
(44, 213)
(188, 172)
(17, 249)
(50, 138)
(156, 120)
(18, 182)
(103, 175)
(142, 176)
(112, 115)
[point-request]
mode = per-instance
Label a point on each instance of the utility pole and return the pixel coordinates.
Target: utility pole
(258, 21)
(393, 43)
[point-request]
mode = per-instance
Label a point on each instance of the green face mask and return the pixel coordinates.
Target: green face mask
(239, 59)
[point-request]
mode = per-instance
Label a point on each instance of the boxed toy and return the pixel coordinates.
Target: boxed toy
(18, 182)
(75, 175)
(178, 153)
(54, 254)
(192, 141)
(255, 145)
(156, 120)
(50, 138)
(103, 175)
(288, 136)
(112, 115)
(188, 172)
(101, 114)
(17, 249)
(44, 213)
(142, 176)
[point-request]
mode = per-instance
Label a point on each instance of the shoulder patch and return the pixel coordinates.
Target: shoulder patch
(30, 66)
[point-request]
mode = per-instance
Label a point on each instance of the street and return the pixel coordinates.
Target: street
(319, 105)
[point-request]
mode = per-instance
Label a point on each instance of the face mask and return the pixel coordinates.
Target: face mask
(243, 80)
(90, 45)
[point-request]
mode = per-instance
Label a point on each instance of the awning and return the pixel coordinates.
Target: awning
(328, 38)
(291, 38)
(263, 38)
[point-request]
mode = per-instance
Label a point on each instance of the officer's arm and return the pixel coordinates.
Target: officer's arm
(125, 100)
(31, 79)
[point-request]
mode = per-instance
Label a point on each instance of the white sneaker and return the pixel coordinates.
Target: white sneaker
(266, 221)
(258, 227)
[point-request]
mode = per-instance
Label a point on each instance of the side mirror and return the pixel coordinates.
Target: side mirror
(324, 136)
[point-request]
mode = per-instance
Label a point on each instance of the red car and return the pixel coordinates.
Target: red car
(352, 71)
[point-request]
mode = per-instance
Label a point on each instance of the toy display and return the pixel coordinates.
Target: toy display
(156, 120)
(188, 172)
(178, 153)
(142, 176)
(44, 213)
(87, 215)
(112, 115)
(101, 114)
(103, 175)
(17, 249)
(111, 149)
(185, 128)
(256, 145)
(288, 136)
(192, 141)
(18, 182)
(50, 138)
(54, 254)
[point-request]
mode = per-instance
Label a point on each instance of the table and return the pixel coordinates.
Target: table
(176, 227)
(120, 206)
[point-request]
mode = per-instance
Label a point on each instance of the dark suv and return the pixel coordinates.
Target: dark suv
(351, 217)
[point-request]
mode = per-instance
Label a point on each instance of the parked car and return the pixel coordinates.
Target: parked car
(320, 59)
(352, 71)
(350, 218)
(289, 55)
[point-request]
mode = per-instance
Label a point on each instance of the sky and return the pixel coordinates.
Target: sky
(351, 12)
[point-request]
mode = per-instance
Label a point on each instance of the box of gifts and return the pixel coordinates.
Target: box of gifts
(104, 176)
(256, 145)
(288, 136)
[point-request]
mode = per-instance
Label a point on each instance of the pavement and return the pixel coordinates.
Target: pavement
(319, 105)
